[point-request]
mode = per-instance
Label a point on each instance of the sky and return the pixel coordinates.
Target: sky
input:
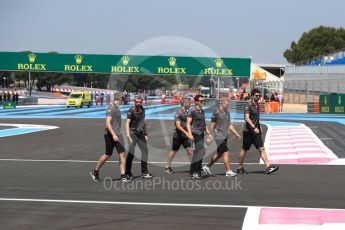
(258, 29)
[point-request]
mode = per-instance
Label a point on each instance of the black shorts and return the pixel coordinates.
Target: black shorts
(250, 138)
(222, 146)
(110, 144)
(178, 141)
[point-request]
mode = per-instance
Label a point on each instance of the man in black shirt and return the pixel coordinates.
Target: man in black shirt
(136, 134)
(196, 127)
(17, 98)
(180, 135)
(252, 134)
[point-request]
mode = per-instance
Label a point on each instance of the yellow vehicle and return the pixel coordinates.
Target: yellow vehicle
(79, 99)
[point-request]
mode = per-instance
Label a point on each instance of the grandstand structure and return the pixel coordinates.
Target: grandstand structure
(337, 58)
(323, 75)
(267, 77)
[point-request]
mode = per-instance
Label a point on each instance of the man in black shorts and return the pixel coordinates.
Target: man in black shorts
(180, 135)
(136, 134)
(113, 138)
(252, 134)
(196, 126)
(221, 124)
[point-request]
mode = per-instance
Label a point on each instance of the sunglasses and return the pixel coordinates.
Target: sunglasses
(201, 101)
(257, 95)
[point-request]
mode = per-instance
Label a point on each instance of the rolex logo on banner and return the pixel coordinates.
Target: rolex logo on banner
(32, 58)
(340, 107)
(172, 61)
(325, 107)
(125, 60)
(31, 65)
(78, 59)
(78, 67)
(219, 63)
(125, 68)
(172, 69)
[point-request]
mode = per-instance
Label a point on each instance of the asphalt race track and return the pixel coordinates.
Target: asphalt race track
(46, 184)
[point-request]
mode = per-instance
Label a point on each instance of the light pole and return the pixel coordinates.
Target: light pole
(29, 84)
(4, 86)
(212, 81)
(218, 81)
(238, 82)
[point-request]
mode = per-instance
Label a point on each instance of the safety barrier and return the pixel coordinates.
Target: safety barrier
(272, 107)
(238, 106)
(313, 106)
(57, 94)
(28, 101)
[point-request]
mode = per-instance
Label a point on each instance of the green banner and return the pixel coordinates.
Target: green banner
(332, 103)
(337, 103)
(324, 103)
(9, 105)
(124, 64)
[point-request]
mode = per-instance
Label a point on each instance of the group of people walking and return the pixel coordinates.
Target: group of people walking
(136, 135)
(190, 130)
(7, 97)
(99, 98)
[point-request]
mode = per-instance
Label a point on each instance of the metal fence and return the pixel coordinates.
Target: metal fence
(269, 87)
(303, 91)
(305, 83)
(235, 106)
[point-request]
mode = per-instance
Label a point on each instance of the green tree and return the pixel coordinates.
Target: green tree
(318, 41)
(143, 83)
(129, 87)
(49, 80)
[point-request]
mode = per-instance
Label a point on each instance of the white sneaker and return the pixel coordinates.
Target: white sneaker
(207, 170)
(230, 173)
